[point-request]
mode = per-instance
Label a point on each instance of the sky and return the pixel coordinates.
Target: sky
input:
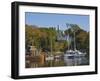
(53, 20)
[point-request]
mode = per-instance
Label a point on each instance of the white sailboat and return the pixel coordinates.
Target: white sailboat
(73, 53)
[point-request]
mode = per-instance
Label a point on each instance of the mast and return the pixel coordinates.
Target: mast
(51, 44)
(58, 28)
(74, 36)
(67, 35)
(74, 42)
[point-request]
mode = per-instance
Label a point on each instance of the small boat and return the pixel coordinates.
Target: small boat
(51, 57)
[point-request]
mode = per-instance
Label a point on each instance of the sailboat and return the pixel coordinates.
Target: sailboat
(73, 53)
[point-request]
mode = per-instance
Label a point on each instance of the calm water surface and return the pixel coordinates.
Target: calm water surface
(62, 61)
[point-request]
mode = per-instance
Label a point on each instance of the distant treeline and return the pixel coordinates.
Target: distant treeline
(46, 38)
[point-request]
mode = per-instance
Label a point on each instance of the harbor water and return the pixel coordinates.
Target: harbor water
(58, 62)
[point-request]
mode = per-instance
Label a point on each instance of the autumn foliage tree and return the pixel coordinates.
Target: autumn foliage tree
(45, 38)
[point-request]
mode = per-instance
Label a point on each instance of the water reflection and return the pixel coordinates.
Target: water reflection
(74, 61)
(55, 62)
